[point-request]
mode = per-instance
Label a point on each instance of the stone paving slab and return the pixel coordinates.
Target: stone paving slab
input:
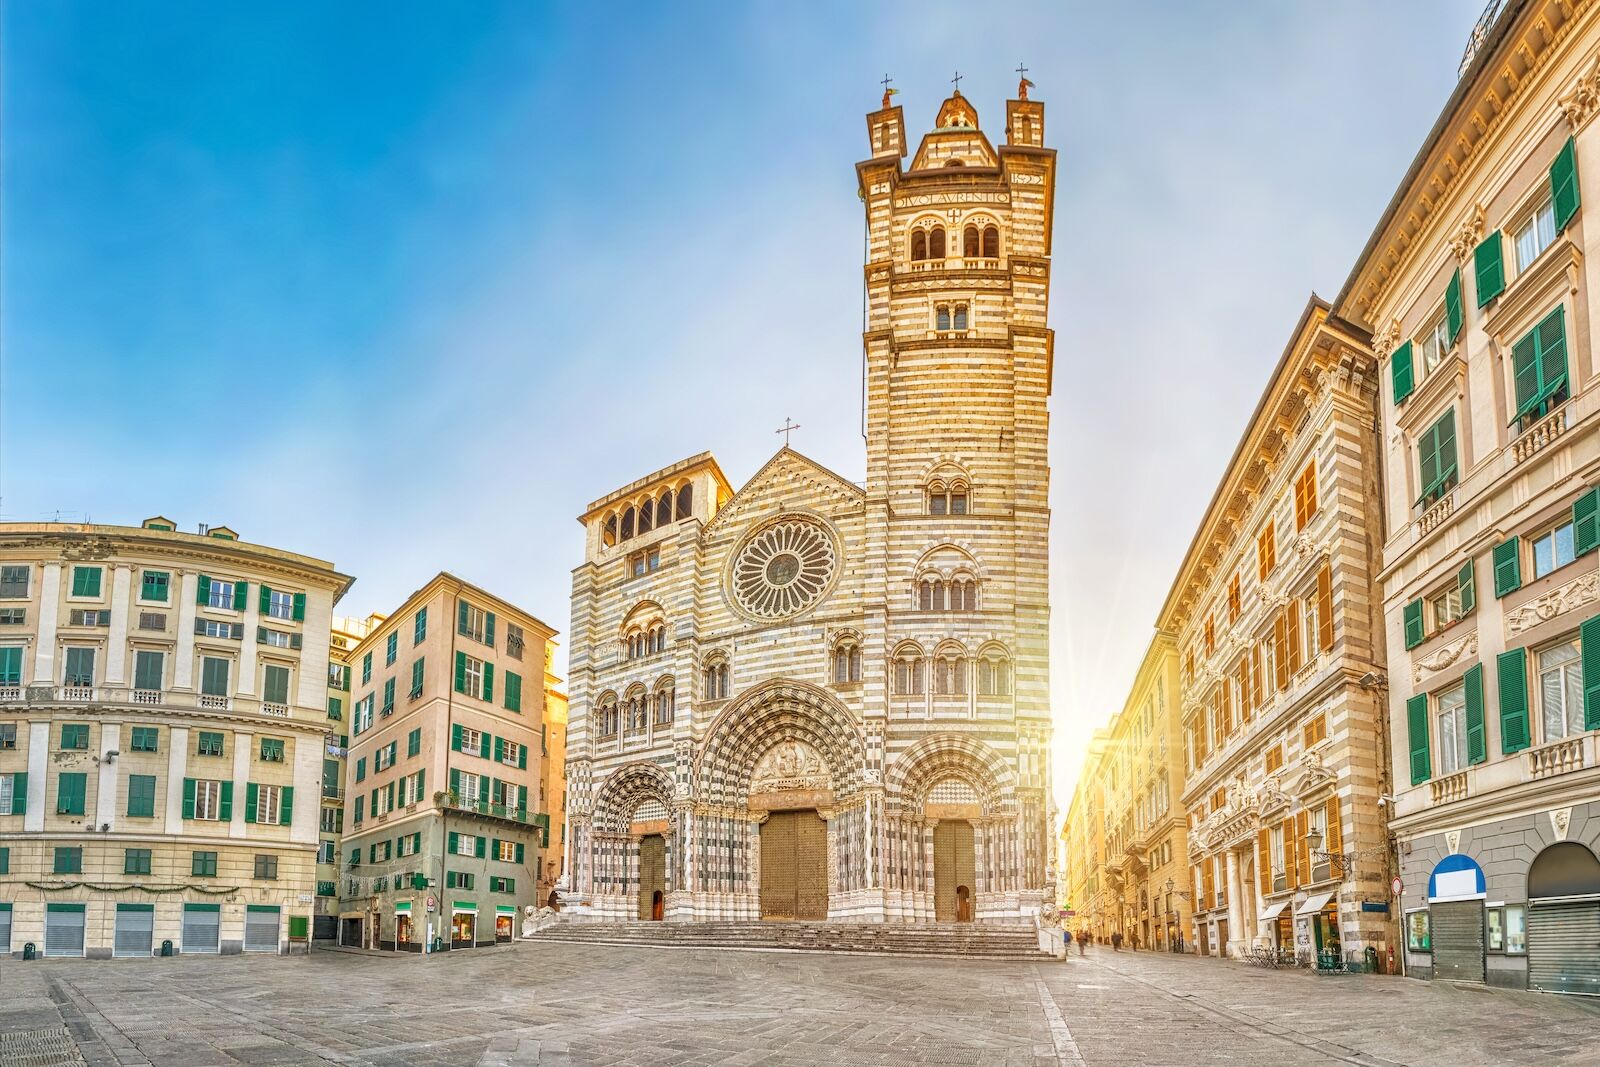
(573, 1005)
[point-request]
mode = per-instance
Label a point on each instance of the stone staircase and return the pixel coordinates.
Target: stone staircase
(948, 940)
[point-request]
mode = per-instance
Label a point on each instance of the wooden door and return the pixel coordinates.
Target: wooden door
(652, 875)
(954, 871)
(794, 866)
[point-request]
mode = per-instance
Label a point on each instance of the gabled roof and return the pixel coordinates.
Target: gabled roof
(759, 476)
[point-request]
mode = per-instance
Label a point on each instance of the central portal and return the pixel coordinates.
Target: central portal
(794, 866)
(954, 871)
(652, 877)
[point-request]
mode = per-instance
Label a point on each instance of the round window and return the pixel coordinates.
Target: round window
(783, 569)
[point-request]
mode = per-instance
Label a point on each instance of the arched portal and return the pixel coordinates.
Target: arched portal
(631, 844)
(1564, 920)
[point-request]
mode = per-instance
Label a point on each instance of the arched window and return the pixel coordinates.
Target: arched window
(941, 317)
(608, 535)
(936, 243)
(685, 501)
(608, 717)
(925, 595)
(919, 245)
(665, 706)
(954, 163)
(664, 508)
(908, 674)
(970, 241)
(846, 663)
(991, 242)
(627, 524)
(958, 500)
(638, 713)
(964, 595)
(994, 676)
(716, 679)
(947, 499)
(950, 675)
(961, 316)
(647, 511)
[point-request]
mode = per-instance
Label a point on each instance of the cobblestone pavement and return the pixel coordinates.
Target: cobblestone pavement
(583, 1004)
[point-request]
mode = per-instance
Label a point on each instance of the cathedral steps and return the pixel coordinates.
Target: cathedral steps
(948, 940)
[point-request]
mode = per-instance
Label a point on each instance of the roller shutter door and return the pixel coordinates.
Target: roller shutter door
(202, 928)
(1564, 947)
(261, 929)
(1458, 941)
(5, 928)
(135, 931)
(63, 930)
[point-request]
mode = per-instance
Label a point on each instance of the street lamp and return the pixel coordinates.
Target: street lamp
(1342, 862)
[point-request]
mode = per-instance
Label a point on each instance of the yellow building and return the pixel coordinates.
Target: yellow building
(163, 722)
(346, 634)
(553, 780)
(444, 841)
(1479, 286)
(1083, 841)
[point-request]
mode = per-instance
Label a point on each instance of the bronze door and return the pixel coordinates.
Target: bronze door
(652, 875)
(794, 866)
(954, 871)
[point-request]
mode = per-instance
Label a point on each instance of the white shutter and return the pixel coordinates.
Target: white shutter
(1564, 946)
(63, 933)
(1458, 940)
(5, 930)
(201, 930)
(134, 934)
(261, 931)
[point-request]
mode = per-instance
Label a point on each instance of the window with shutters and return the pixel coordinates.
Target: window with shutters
(280, 605)
(1434, 344)
(1553, 549)
(1305, 495)
(79, 670)
(154, 586)
(75, 736)
(472, 676)
(1436, 459)
(1534, 231)
(1560, 691)
(272, 749)
(136, 861)
(1233, 599)
(466, 845)
(472, 622)
(1451, 726)
(68, 860)
(1274, 759)
(214, 676)
(1538, 368)
(1210, 635)
(266, 868)
(1446, 607)
(1266, 550)
(220, 595)
(14, 582)
(207, 800)
(1280, 873)
(1314, 731)
(275, 684)
(203, 864)
(210, 744)
(391, 649)
(144, 739)
(86, 582)
(8, 736)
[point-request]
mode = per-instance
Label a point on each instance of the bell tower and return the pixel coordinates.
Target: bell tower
(958, 359)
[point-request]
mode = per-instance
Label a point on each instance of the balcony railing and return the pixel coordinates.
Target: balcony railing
(129, 696)
(1436, 513)
(1559, 758)
(1450, 788)
(1541, 433)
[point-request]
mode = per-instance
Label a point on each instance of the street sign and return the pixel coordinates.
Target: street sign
(1395, 885)
(306, 898)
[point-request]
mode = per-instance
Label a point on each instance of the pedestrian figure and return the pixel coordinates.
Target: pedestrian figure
(1066, 940)
(1083, 941)
(1116, 941)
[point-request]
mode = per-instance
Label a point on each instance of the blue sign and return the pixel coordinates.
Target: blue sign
(1456, 877)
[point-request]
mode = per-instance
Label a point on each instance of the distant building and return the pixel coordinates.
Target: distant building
(444, 772)
(346, 634)
(163, 724)
(1083, 845)
(553, 780)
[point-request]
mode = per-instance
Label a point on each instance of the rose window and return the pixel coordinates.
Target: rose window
(784, 569)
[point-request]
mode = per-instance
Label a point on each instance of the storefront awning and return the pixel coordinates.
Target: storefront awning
(504, 909)
(1314, 904)
(402, 906)
(1274, 910)
(466, 905)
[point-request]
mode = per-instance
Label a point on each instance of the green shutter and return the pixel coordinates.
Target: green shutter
(455, 737)
(488, 682)
(1513, 701)
(1488, 268)
(225, 809)
(499, 748)
(483, 789)
(450, 877)
(1436, 458)
(1589, 637)
(461, 617)
(522, 757)
(485, 745)
(299, 607)
(455, 781)
(522, 798)
(1477, 739)
(1539, 365)
(1507, 567)
(188, 798)
(19, 793)
(286, 806)
(250, 794)
(203, 596)
(478, 846)
(241, 593)
(1417, 731)
(488, 629)
(1452, 306)
(420, 772)
(265, 600)
(1400, 372)
(450, 844)
(1466, 582)
(519, 851)
(1586, 522)
(461, 672)
(1564, 184)
(1413, 620)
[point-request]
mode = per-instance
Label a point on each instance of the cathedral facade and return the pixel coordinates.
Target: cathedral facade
(808, 700)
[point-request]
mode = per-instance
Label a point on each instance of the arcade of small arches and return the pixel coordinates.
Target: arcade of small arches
(952, 497)
(638, 713)
(647, 513)
(980, 239)
(944, 837)
(952, 667)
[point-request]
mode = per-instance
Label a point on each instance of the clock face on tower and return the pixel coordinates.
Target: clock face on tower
(783, 568)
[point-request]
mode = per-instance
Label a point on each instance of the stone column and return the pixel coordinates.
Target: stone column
(117, 639)
(1235, 911)
(44, 658)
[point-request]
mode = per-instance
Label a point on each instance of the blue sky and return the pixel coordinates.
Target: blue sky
(405, 285)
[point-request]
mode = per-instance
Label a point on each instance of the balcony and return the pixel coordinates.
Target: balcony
(130, 697)
(277, 711)
(1450, 788)
(332, 792)
(1432, 518)
(1540, 434)
(1560, 758)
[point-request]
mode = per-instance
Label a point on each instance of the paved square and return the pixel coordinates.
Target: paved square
(581, 1004)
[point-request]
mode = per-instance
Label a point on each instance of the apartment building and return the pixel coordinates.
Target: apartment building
(163, 722)
(1083, 839)
(1476, 285)
(444, 844)
(1282, 715)
(553, 779)
(346, 634)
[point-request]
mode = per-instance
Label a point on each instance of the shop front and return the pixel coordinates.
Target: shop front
(1456, 894)
(504, 918)
(405, 935)
(463, 924)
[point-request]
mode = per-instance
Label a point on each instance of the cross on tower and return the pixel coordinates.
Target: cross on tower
(788, 427)
(957, 81)
(1022, 72)
(886, 81)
